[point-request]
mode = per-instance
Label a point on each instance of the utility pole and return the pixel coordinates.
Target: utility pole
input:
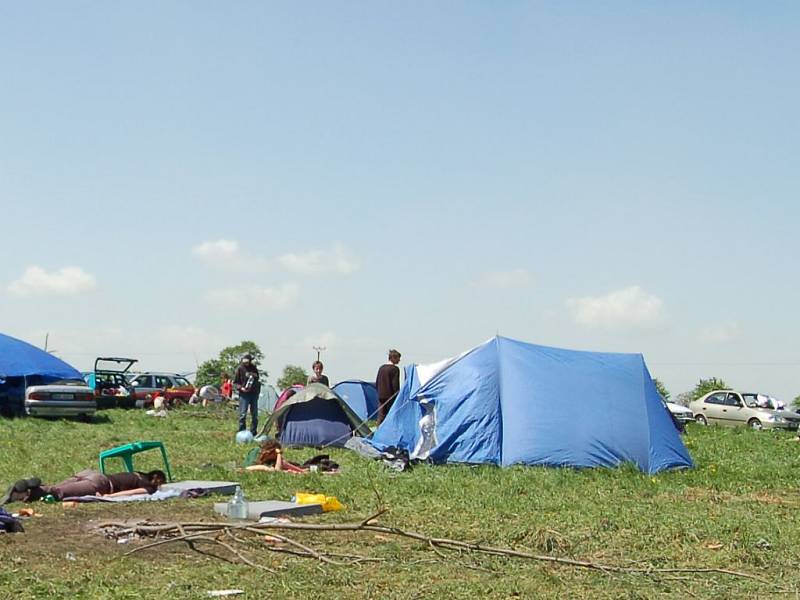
(46, 340)
(319, 349)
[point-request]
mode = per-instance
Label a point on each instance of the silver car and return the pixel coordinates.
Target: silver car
(731, 408)
(60, 399)
(682, 414)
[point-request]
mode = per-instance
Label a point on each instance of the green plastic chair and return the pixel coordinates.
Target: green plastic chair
(126, 452)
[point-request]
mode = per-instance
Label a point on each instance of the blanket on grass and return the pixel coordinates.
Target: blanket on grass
(154, 497)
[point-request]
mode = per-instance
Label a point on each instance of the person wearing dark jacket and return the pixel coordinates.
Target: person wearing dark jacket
(246, 382)
(318, 377)
(388, 383)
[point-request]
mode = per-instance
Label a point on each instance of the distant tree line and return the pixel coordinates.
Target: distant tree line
(210, 372)
(700, 389)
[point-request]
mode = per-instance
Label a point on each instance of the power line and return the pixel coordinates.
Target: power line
(724, 364)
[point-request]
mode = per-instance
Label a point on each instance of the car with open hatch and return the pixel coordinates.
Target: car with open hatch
(731, 409)
(109, 381)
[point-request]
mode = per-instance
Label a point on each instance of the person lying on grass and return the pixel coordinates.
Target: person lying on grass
(270, 458)
(86, 483)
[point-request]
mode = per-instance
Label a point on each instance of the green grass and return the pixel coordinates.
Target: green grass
(735, 511)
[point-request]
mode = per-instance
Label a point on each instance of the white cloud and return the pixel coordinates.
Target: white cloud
(336, 260)
(68, 281)
(720, 334)
(504, 280)
(628, 307)
(218, 251)
(257, 298)
(228, 254)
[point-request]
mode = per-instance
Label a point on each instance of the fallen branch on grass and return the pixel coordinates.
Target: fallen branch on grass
(188, 532)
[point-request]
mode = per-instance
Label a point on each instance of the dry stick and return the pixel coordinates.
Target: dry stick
(457, 544)
(209, 528)
(354, 559)
(227, 528)
(437, 551)
(308, 550)
(453, 544)
(196, 548)
(233, 551)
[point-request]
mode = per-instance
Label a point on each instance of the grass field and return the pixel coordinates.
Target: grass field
(734, 511)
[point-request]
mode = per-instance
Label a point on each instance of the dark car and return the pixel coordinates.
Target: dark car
(110, 383)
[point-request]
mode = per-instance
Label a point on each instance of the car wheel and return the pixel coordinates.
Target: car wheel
(701, 419)
(754, 424)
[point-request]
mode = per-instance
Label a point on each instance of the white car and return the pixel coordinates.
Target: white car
(732, 408)
(682, 414)
(60, 399)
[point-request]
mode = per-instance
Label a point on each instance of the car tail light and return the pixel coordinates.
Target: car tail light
(85, 397)
(39, 396)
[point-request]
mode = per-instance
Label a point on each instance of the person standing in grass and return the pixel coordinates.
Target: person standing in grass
(388, 384)
(246, 382)
(226, 389)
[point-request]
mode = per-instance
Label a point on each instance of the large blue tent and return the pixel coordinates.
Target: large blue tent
(508, 402)
(21, 359)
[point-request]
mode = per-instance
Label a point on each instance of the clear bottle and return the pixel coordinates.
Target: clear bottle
(237, 505)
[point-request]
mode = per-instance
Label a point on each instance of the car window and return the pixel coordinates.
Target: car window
(716, 399)
(182, 381)
(144, 381)
(732, 400)
(751, 400)
(163, 382)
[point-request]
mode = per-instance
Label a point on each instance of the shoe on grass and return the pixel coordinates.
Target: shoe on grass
(19, 490)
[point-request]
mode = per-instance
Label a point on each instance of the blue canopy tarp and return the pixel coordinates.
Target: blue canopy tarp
(509, 402)
(21, 359)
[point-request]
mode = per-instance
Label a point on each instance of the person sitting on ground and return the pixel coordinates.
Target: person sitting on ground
(318, 377)
(87, 483)
(270, 458)
(206, 395)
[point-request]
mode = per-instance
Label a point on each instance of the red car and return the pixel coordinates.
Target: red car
(175, 388)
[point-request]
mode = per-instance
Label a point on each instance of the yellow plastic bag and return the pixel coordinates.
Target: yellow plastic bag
(328, 503)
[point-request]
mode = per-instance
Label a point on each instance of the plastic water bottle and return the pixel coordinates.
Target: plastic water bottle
(237, 506)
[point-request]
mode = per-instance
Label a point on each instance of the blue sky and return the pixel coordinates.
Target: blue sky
(176, 178)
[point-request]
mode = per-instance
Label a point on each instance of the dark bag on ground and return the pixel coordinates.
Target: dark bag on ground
(323, 462)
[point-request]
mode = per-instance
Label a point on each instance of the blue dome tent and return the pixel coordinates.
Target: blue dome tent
(509, 402)
(315, 416)
(361, 396)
